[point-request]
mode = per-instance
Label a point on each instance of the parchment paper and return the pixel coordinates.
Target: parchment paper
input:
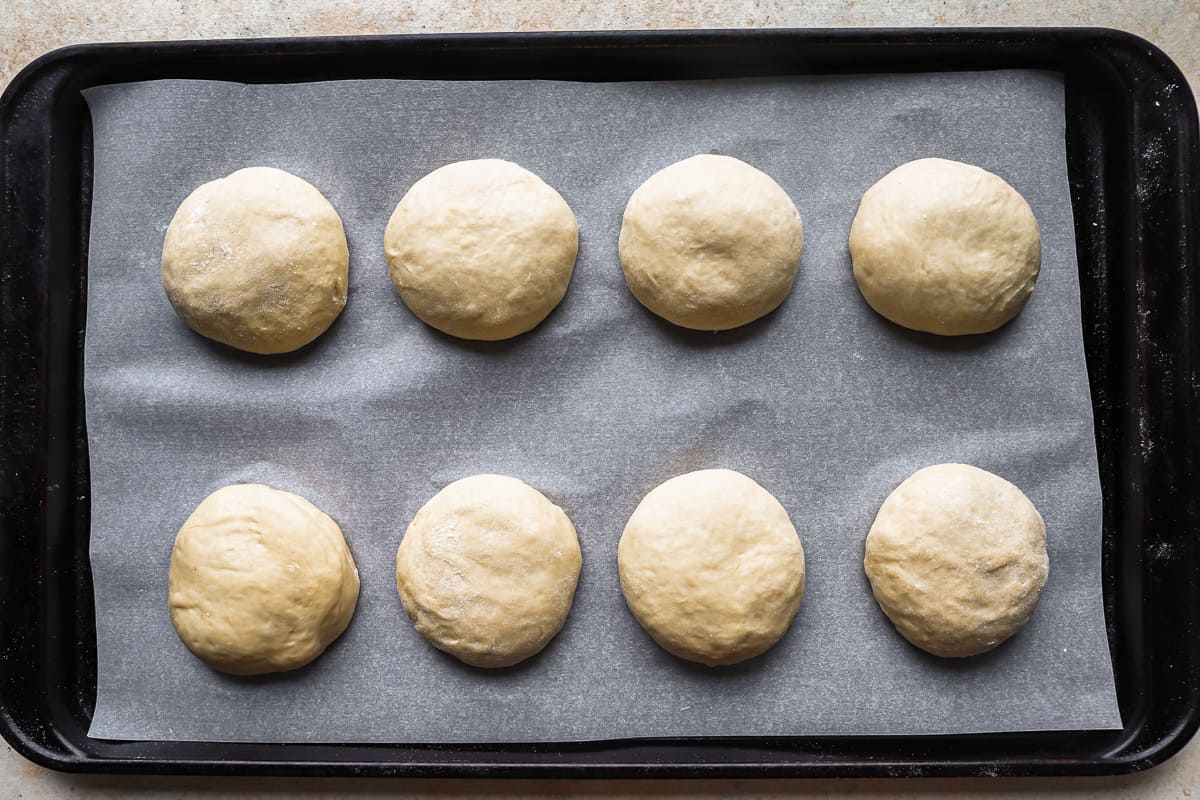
(824, 403)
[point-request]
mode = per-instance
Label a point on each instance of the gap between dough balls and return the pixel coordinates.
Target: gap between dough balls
(945, 247)
(712, 567)
(710, 243)
(957, 559)
(257, 261)
(261, 581)
(487, 570)
(481, 249)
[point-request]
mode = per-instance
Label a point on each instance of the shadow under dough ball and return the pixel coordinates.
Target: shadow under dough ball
(481, 249)
(945, 247)
(712, 567)
(487, 570)
(257, 261)
(261, 581)
(710, 243)
(957, 559)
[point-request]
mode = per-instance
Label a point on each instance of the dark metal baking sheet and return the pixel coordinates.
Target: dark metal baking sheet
(1132, 160)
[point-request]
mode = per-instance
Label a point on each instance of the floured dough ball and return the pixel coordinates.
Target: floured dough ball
(711, 567)
(710, 243)
(481, 249)
(261, 581)
(957, 559)
(487, 570)
(257, 261)
(945, 247)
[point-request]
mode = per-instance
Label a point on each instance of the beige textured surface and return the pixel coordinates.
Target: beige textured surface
(261, 580)
(481, 249)
(945, 247)
(710, 243)
(711, 567)
(29, 28)
(257, 260)
(957, 559)
(487, 570)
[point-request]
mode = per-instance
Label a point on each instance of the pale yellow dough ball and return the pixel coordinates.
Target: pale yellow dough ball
(487, 570)
(957, 559)
(257, 261)
(712, 567)
(261, 581)
(945, 247)
(710, 243)
(481, 249)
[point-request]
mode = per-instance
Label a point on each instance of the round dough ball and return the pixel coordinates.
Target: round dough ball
(957, 559)
(711, 567)
(261, 581)
(257, 261)
(710, 243)
(487, 570)
(945, 247)
(481, 249)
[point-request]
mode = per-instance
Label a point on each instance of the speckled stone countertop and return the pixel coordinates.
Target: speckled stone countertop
(29, 28)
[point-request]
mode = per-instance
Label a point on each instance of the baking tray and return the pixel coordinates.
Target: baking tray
(1133, 167)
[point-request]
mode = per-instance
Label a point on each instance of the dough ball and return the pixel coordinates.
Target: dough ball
(257, 261)
(957, 559)
(711, 567)
(261, 581)
(945, 247)
(487, 570)
(481, 249)
(710, 243)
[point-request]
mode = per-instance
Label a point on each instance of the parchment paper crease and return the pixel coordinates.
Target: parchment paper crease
(824, 403)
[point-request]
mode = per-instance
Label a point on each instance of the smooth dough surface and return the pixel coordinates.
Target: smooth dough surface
(261, 581)
(957, 559)
(712, 567)
(257, 261)
(945, 247)
(487, 570)
(481, 249)
(710, 243)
